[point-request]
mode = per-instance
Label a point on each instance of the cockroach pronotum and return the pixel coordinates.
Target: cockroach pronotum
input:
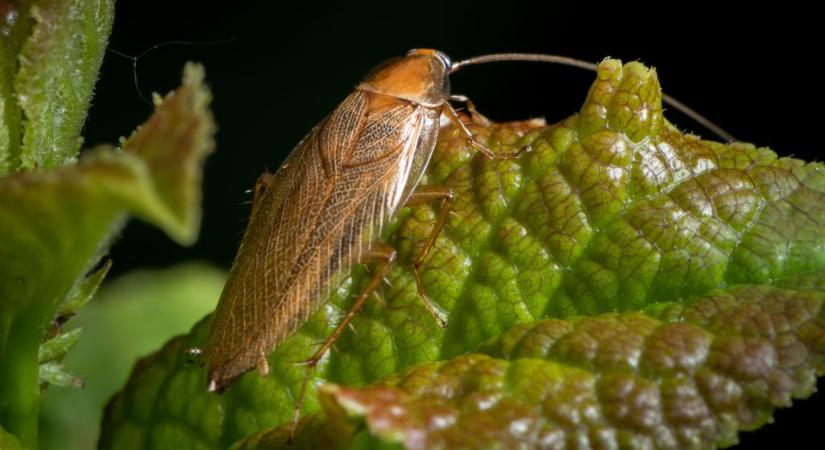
(320, 213)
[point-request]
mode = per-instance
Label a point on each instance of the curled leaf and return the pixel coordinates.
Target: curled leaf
(56, 225)
(156, 177)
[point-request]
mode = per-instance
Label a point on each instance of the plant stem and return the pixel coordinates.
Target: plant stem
(19, 379)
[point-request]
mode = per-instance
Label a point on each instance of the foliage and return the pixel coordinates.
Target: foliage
(130, 317)
(58, 213)
(620, 285)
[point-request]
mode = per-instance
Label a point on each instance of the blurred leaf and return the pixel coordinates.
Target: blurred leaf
(129, 317)
(55, 374)
(156, 177)
(57, 224)
(58, 67)
(57, 347)
(8, 441)
(82, 292)
(616, 236)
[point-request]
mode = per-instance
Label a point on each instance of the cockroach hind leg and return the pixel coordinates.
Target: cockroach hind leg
(385, 256)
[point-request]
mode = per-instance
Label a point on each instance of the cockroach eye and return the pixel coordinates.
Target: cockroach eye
(448, 63)
(445, 59)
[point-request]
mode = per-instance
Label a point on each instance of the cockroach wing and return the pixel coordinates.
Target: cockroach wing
(327, 203)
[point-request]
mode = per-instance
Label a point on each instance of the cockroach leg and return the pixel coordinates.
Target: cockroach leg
(452, 114)
(477, 117)
(429, 194)
(385, 256)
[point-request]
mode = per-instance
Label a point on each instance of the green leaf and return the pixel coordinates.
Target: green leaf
(55, 374)
(57, 224)
(156, 177)
(58, 67)
(8, 441)
(130, 316)
(613, 228)
(627, 380)
(82, 292)
(57, 347)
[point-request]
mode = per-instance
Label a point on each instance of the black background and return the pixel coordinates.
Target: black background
(286, 66)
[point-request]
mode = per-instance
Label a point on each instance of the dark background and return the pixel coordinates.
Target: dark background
(286, 66)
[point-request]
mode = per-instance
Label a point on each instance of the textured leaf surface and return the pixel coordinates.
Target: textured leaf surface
(56, 224)
(628, 380)
(623, 254)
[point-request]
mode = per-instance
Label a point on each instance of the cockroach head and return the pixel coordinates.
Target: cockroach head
(422, 77)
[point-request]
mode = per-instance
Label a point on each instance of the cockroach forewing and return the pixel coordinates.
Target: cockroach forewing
(327, 203)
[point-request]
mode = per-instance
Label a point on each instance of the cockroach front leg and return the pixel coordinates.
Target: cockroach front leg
(452, 114)
(471, 108)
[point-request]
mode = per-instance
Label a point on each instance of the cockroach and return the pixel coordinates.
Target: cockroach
(322, 211)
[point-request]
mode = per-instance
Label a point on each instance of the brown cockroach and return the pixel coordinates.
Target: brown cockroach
(323, 210)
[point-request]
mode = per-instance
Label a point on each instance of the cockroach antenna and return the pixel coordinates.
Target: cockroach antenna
(140, 55)
(581, 64)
